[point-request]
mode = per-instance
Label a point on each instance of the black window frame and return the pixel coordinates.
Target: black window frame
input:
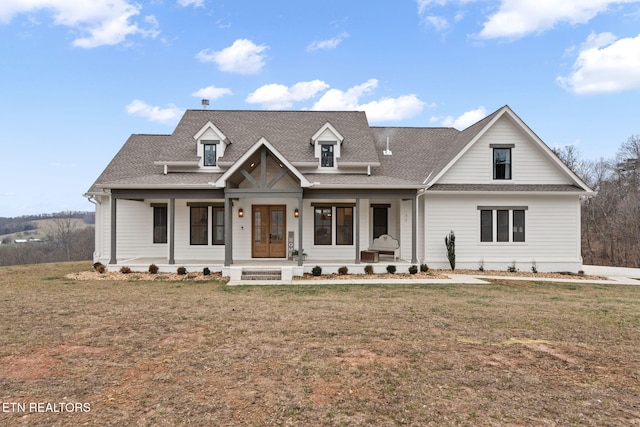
(206, 159)
(160, 223)
(344, 230)
(201, 228)
(217, 224)
(322, 225)
(502, 165)
(508, 223)
(327, 155)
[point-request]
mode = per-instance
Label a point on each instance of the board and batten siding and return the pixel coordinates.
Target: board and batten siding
(552, 232)
(530, 164)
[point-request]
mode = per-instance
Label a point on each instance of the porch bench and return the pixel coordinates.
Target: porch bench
(386, 244)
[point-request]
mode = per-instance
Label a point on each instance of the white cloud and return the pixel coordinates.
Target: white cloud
(377, 111)
(440, 23)
(212, 92)
(605, 64)
(99, 22)
(463, 121)
(327, 44)
(242, 57)
(518, 18)
(276, 96)
(167, 115)
(194, 3)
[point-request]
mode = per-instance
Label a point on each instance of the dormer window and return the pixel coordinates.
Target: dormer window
(210, 158)
(210, 145)
(327, 159)
(502, 161)
(327, 141)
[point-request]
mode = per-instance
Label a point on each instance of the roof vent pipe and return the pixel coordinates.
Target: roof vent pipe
(387, 152)
(205, 104)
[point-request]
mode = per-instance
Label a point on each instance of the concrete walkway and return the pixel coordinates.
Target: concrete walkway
(613, 275)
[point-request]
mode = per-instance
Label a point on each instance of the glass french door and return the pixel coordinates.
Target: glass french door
(268, 231)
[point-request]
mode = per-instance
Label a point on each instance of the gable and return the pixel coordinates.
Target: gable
(531, 163)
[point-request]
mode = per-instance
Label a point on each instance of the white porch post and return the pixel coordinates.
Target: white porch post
(414, 231)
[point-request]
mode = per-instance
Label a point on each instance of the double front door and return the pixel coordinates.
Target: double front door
(268, 231)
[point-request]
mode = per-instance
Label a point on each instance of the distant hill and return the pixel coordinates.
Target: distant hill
(36, 226)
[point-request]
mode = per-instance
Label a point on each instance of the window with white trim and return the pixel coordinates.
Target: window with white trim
(210, 158)
(502, 224)
(327, 156)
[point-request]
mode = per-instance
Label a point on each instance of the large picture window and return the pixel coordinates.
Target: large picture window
(344, 226)
(160, 224)
(502, 224)
(199, 225)
(502, 163)
(322, 226)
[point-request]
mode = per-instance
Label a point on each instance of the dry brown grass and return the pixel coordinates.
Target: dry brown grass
(201, 353)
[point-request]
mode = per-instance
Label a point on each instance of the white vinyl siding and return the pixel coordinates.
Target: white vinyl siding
(552, 227)
(135, 231)
(529, 164)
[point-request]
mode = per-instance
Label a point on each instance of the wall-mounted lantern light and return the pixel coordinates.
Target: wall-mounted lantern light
(296, 212)
(240, 213)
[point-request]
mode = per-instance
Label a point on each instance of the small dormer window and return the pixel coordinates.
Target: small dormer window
(210, 153)
(327, 155)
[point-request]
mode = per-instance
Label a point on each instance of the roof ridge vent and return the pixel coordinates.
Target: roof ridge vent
(387, 152)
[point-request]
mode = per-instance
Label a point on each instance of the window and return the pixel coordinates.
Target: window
(380, 215)
(159, 223)
(344, 226)
(210, 154)
(199, 225)
(508, 224)
(326, 155)
(486, 226)
(322, 226)
(502, 163)
(218, 226)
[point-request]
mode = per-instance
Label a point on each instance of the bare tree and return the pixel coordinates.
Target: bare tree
(60, 233)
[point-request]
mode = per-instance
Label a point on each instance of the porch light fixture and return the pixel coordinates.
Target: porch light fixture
(296, 212)
(240, 213)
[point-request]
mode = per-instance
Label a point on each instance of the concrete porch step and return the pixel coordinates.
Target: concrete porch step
(261, 274)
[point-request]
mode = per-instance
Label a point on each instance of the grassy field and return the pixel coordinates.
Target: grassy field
(202, 353)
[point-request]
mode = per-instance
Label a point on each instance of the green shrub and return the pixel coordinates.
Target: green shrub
(153, 269)
(424, 268)
(206, 271)
(368, 269)
(316, 271)
(512, 268)
(450, 242)
(391, 269)
(413, 269)
(181, 271)
(125, 270)
(343, 270)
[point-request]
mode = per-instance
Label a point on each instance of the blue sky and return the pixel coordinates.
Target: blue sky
(77, 77)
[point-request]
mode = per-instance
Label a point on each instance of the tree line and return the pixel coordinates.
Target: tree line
(65, 241)
(611, 219)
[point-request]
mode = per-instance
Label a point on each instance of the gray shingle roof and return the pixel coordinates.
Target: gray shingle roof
(417, 153)
(289, 132)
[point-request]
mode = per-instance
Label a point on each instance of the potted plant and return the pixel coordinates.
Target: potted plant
(296, 253)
